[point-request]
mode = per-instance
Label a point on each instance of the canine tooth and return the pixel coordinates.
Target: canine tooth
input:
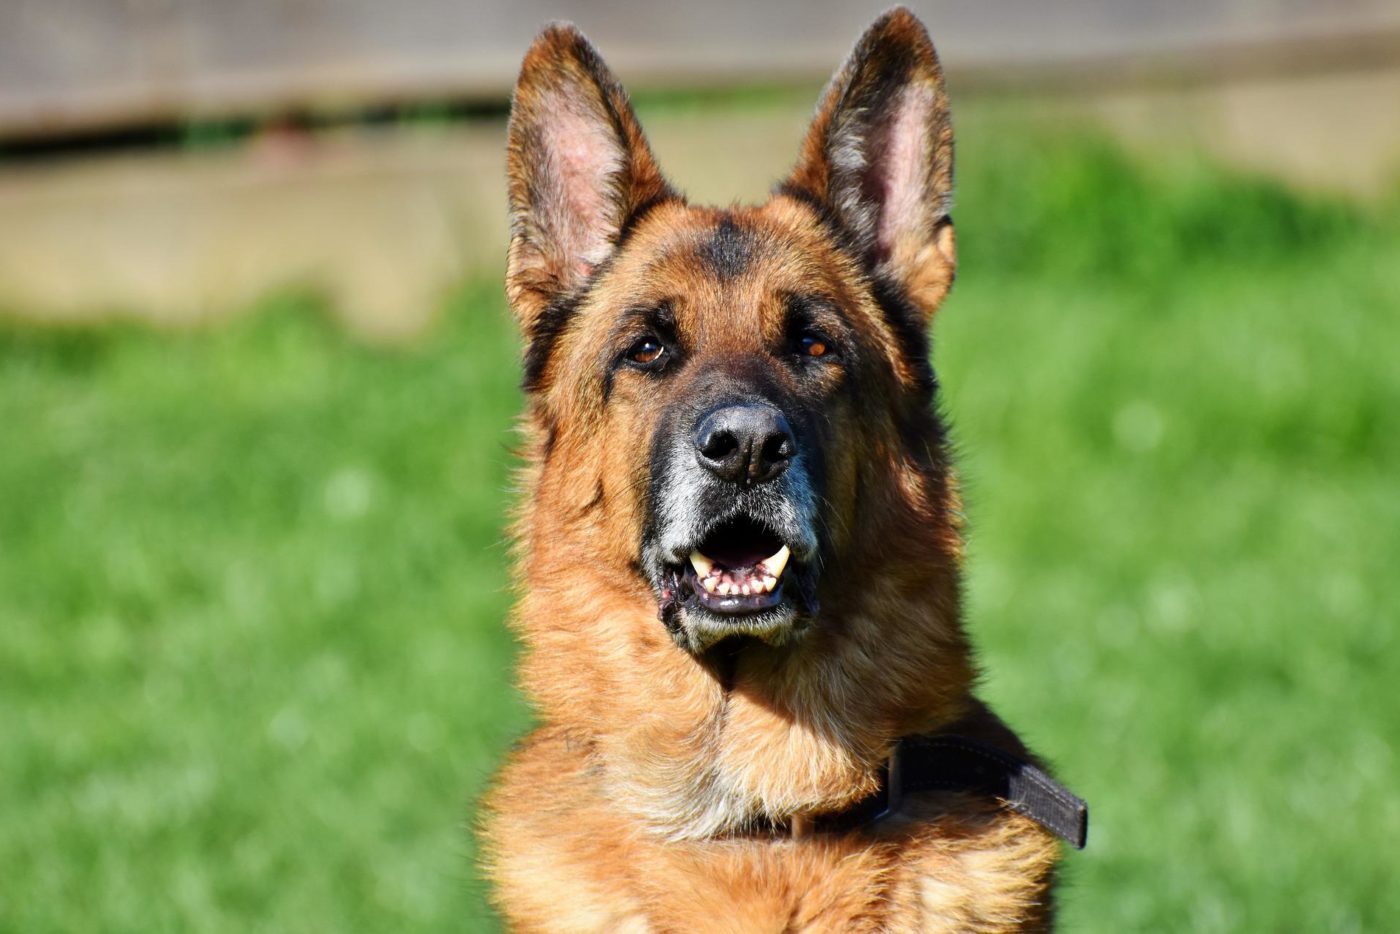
(702, 564)
(775, 563)
(709, 583)
(769, 583)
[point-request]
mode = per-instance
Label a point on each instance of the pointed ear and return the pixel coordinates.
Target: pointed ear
(578, 168)
(879, 157)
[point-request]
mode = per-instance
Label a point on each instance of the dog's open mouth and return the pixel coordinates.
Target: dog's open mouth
(738, 568)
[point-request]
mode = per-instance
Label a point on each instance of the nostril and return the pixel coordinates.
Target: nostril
(719, 444)
(777, 449)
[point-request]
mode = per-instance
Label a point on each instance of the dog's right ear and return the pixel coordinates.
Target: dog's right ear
(579, 168)
(879, 157)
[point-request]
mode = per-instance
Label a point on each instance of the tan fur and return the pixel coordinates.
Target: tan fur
(631, 807)
(952, 863)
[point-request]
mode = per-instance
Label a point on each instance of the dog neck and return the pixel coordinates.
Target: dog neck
(800, 729)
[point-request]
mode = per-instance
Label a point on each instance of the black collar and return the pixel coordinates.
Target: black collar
(947, 762)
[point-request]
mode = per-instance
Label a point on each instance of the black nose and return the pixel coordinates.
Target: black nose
(745, 444)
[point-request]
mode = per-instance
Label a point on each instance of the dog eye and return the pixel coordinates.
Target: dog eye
(813, 345)
(646, 352)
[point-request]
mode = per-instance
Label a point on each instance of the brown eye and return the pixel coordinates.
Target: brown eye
(646, 352)
(812, 345)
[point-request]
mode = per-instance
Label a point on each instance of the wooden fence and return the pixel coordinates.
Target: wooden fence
(90, 66)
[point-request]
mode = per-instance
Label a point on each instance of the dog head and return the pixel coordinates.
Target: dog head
(733, 408)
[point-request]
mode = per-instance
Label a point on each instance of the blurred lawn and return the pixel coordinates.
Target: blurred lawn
(252, 663)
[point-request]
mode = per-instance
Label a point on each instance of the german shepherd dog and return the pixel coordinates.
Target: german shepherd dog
(739, 547)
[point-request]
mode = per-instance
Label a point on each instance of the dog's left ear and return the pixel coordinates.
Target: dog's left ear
(578, 168)
(879, 157)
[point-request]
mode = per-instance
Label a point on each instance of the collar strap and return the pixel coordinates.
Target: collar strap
(960, 763)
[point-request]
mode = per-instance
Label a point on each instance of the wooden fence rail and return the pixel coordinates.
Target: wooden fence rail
(80, 66)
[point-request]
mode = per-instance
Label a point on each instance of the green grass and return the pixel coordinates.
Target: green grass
(252, 665)
(253, 669)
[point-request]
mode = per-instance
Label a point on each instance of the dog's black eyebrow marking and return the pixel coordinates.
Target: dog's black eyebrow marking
(659, 316)
(729, 250)
(811, 305)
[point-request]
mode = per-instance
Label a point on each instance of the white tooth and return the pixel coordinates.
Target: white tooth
(722, 588)
(702, 564)
(769, 583)
(709, 583)
(746, 590)
(775, 563)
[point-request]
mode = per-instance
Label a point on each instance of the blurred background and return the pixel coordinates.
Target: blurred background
(257, 383)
